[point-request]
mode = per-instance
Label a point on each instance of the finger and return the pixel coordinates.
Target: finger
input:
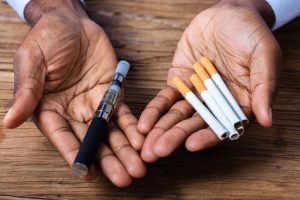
(29, 75)
(112, 167)
(109, 164)
(179, 111)
(156, 108)
(79, 128)
(202, 139)
(125, 153)
(59, 133)
(127, 122)
(263, 78)
(174, 137)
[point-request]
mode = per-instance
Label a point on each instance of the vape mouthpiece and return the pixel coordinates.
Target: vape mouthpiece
(123, 68)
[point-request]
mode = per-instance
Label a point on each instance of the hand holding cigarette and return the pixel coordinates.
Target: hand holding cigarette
(236, 37)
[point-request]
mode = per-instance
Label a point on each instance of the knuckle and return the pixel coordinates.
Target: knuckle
(162, 98)
(177, 112)
(121, 148)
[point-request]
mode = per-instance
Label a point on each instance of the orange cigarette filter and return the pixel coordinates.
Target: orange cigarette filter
(210, 68)
(183, 89)
(198, 84)
(201, 72)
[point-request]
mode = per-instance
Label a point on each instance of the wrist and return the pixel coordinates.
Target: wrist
(261, 6)
(36, 9)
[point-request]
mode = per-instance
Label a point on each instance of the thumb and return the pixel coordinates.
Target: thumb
(29, 77)
(264, 72)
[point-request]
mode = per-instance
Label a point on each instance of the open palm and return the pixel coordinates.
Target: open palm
(245, 53)
(62, 69)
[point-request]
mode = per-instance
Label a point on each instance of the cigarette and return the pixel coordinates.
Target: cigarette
(213, 106)
(224, 89)
(206, 115)
(217, 95)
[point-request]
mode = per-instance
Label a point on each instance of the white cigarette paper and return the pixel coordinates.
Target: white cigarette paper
(220, 131)
(217, 95)
(213, 106)
(224, 89)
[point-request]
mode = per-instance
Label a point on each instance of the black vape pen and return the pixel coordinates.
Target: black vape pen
(98, 126)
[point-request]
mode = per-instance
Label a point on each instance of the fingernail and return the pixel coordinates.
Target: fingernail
(270, 113)
(8, 112)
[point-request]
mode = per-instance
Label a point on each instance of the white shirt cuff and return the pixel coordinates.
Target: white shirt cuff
(19, 6)
(284, 10)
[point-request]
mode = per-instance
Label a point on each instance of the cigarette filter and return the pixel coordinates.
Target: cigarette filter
(224, 89)
(206, 115)
(217, 95)
(213, 106)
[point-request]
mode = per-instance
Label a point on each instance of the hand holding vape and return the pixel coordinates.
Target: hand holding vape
(98, 127)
